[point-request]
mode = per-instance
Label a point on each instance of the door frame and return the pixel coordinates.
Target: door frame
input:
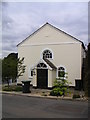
(44, 87)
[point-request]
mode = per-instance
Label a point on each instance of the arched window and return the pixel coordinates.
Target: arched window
(41, 65)
(47, 54)
(61, 72)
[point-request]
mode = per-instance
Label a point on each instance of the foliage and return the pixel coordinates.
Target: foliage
(62, 74)
(9, 67)
(12, 88)
(21, 67)
(0, 70)
(0, 67)
(87, 85)
(87, 72)
(12, 67)
(56, 92)
(76, 96)
(61, 87)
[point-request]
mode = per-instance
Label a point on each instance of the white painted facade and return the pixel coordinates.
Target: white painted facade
(67, 52)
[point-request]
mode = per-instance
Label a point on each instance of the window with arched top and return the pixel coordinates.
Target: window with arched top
(61, 72)
(47, 54)
(41, 65)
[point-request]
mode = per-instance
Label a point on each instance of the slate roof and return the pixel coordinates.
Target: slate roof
(50, 64)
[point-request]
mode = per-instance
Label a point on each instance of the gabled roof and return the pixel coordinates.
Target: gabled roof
(50, 64)
(54, 28)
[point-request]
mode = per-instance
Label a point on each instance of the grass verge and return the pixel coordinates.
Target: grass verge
(12, 88)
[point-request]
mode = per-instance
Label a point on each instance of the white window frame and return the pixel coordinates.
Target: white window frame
(41, 55)
(29, 72)
(57, 72)
(42, 66)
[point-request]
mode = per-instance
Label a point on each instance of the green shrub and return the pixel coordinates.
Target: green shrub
(56, 92)
(76, 96)
(61, 87)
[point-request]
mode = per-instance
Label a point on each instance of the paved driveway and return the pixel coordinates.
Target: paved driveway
(15, 106)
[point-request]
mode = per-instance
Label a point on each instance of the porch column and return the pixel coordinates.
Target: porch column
(35, 78)
(49, 78)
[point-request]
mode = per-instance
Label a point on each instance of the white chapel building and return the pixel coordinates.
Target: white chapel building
(49, 51)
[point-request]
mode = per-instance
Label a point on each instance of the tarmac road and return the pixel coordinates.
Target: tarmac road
(14, 106)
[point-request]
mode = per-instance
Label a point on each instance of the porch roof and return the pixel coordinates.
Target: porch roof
(50, 64)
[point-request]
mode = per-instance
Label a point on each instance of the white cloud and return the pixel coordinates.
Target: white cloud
(21, 19)
(45, 0)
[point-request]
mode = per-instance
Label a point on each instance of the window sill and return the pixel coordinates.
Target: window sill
(48, 58)
(30, 77)
(60, 78)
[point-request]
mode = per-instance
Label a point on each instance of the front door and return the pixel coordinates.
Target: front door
(42, 78)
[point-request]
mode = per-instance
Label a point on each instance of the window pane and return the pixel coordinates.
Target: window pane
(50, 55)
(61, 72)
(58, 73)
(47, 54)
(38, 65)
(41, 65)
(31, 72)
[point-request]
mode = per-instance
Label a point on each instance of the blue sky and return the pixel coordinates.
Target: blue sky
(20, 19)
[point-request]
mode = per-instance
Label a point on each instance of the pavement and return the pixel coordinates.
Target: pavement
(44, 93)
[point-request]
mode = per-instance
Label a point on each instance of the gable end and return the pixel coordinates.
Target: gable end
(54, 28)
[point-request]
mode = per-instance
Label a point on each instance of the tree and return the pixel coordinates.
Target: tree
(87, 72)
(12, 67)
(9, 67)
(0, 70)
(21, 67)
